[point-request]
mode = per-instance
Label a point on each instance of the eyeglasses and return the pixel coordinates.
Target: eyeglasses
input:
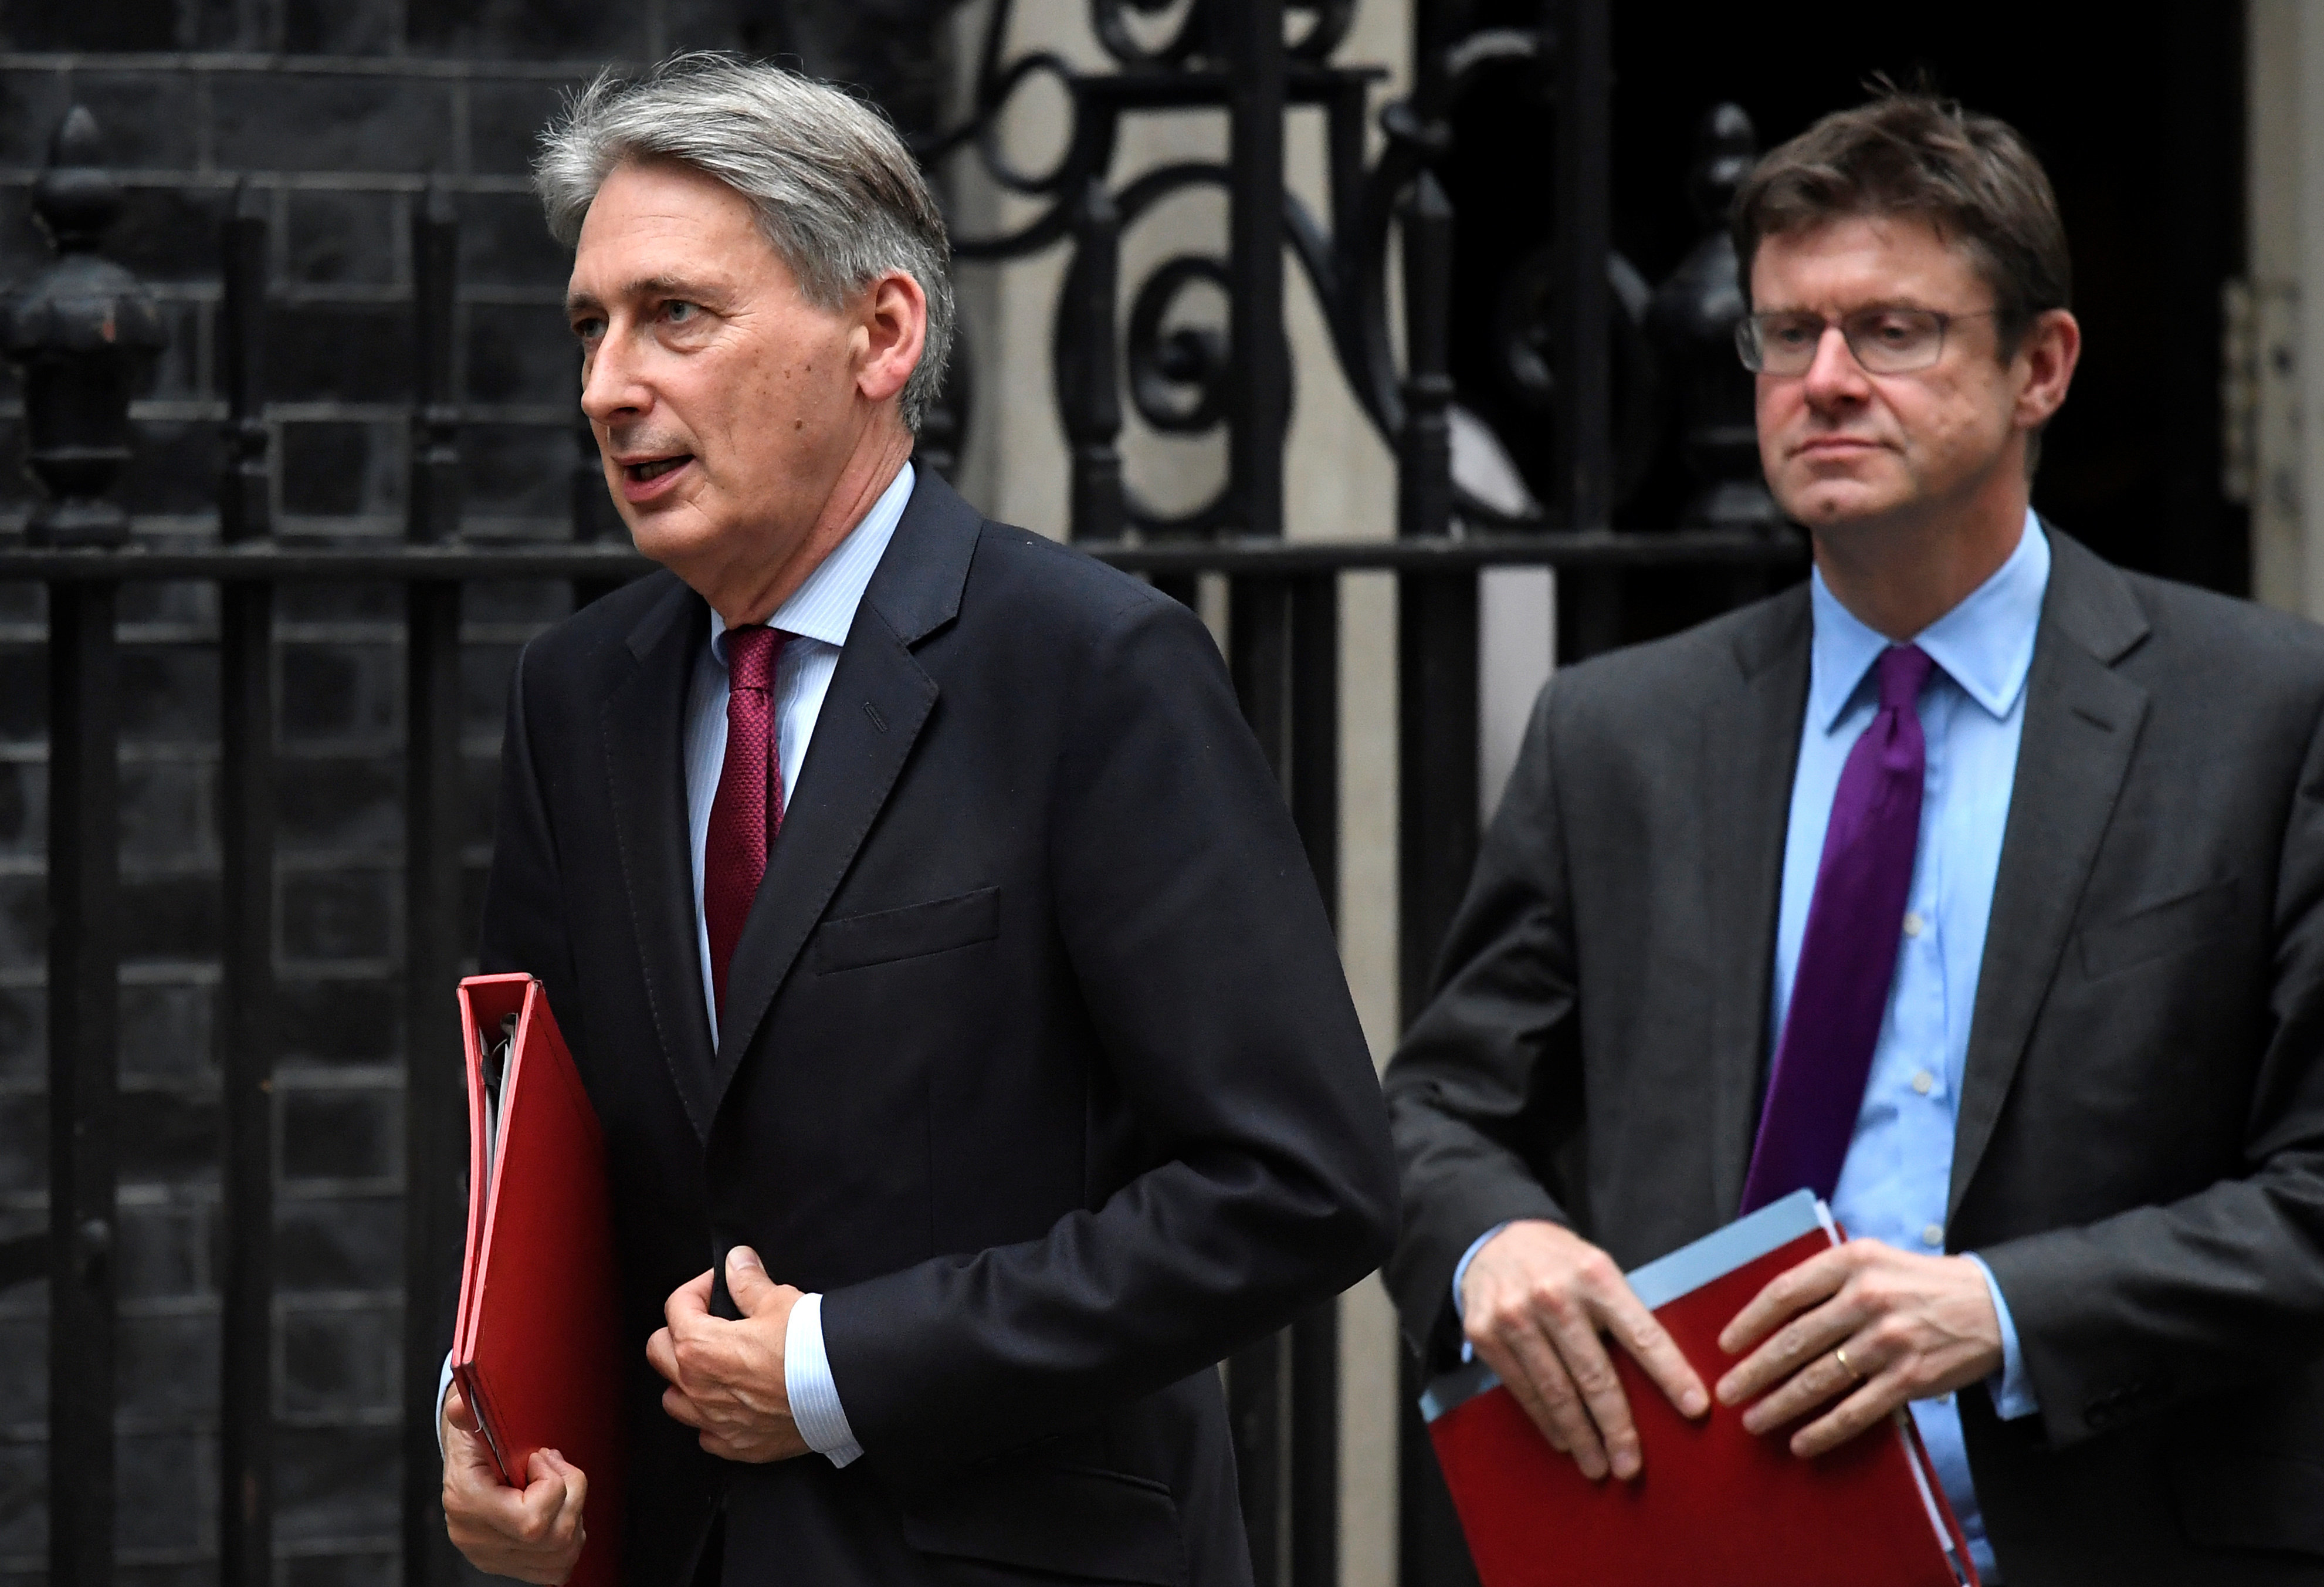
(1886, 339)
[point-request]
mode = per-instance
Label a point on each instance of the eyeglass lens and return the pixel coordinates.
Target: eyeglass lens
(1885, 340)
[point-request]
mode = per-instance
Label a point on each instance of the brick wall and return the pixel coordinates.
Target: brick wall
(334, 113)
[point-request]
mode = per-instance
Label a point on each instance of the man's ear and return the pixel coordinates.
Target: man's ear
(895, 328)
(2047, 354)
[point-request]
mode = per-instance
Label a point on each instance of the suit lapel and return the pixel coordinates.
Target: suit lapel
(643, 722)
(879, 700)
(1751, 740)
(2082, 726)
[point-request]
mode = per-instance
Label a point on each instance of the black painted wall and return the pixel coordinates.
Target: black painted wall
(334, 113)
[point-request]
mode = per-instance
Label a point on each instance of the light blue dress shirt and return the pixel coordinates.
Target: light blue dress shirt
(816, 617)
(1894, 1181)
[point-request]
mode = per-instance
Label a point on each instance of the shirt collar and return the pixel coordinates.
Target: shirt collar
(1985, 644)
(824, 607)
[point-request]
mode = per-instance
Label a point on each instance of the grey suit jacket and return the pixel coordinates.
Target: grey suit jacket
(2140, 1153)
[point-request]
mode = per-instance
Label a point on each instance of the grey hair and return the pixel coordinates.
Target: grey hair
(838, 195)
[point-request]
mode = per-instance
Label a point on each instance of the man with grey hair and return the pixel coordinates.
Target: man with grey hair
(972, 1054)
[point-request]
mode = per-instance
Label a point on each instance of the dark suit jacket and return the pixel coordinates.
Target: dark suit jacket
(1035, 1059)
(2140, 1154)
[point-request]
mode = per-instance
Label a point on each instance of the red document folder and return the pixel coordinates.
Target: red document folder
(537, 1350)
(1715, 1505)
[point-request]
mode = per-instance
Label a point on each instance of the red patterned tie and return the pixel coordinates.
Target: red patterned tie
(749, 809)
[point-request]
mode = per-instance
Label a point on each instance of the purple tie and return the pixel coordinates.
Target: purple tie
(1848, 955)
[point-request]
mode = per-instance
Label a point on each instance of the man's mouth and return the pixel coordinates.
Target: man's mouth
(655, 467)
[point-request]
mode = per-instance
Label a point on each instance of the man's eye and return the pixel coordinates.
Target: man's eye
(588, 329)
(1792, 333)
(679, 313)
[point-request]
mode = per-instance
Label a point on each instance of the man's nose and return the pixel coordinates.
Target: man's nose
(610, 387)
(1834, 375)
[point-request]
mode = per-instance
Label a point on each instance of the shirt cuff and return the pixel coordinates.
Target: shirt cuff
(442, 1390)
(814, 1397)
(1461, 1271)
(2013, 1393)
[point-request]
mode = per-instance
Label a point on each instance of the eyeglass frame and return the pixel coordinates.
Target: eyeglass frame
(1749, 344)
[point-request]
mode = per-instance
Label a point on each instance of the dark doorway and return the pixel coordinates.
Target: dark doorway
(2142, 130)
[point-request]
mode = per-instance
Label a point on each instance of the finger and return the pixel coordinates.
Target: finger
(1570, 1428)
(1584, 1355)
(469, 1464)
(567, 1525)
(1819, 1382)
(543, 1497)
(1852, 1418)
(1541, 1390)
(747, 1280)
(689, 1299)
(679, 1409)
(457, 1411)
(1650, 1345)
(1789, 1292)
(1791, 1348)
(661, 1354)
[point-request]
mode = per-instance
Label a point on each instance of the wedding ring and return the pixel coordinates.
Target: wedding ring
(1839, 1355)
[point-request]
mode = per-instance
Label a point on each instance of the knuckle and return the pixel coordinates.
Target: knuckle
(1557, 1303)
(1594, 1380)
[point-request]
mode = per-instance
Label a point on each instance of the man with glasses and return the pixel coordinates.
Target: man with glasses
(1978, 886)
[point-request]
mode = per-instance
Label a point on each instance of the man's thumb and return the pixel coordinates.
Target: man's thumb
(747, 1280)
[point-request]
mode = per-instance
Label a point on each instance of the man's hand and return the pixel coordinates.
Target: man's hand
(726, 1379)
(532, 1533)
(1913, 1328)
(1533, 1303)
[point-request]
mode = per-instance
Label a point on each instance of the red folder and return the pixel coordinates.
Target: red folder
(1715, 1505)
(537, 1351)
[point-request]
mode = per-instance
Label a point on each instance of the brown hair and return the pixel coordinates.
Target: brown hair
(1907, 152)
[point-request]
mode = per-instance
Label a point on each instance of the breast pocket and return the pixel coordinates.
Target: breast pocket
(857, 942)
(2147, 931)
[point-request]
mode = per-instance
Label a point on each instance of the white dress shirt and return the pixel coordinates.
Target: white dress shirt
(817, 617)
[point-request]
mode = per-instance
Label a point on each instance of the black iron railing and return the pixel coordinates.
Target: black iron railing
(79, 332)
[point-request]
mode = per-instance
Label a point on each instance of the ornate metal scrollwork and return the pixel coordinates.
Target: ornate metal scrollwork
(1171, 55)
(1113, 335)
